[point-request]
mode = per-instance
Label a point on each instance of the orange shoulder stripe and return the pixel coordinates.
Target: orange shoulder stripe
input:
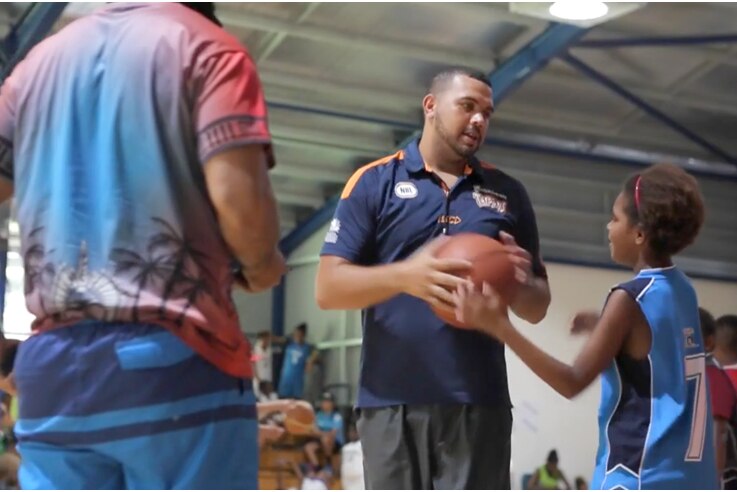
(357, 175)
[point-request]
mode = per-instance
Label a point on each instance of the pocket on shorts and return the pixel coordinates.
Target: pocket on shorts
(150, 351)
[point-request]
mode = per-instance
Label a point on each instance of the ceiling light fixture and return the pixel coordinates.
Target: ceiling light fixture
(578, 10)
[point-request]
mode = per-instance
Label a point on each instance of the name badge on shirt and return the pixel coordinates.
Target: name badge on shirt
(490, 199)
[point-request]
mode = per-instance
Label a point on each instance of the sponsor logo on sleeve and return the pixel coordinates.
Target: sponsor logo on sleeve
(332, 235)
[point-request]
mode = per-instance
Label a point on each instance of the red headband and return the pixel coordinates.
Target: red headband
(637, 194)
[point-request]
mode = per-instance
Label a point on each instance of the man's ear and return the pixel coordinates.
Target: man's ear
(428, 105)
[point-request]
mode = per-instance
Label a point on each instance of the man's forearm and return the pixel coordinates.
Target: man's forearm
(263, 409)
(532, 301)
(240, 191)
(252, 236)
(348, 286)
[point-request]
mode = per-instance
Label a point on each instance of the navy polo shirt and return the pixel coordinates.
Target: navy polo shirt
(389, 209)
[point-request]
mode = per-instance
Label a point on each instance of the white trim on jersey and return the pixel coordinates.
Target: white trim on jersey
(619, 486)
(711, 359)
(642, 293)
(620, 465)
(655, 270)
(606, 431)
(652, 380)
(650, 423)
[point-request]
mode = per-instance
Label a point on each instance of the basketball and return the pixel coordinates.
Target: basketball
(490, 264)
(299, 419)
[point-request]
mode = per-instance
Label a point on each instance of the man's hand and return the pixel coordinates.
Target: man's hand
(265, 275)
(434, 279)
(265, 408)
(520, 258)
(532, 296)
(269, 433)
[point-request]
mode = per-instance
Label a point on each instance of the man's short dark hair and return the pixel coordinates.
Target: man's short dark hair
(708, 325)
(726, 329)
(263, 334)
(441, 80)
(728, 320)
(301, 327)
(205, 8)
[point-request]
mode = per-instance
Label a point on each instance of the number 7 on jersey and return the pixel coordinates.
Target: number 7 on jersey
(696, 372)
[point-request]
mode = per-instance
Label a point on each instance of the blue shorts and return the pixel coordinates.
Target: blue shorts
(129, 406)
(291, 386)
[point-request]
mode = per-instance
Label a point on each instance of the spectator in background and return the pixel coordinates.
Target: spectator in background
(9, 459)
(313, 477)
(330, 436)
(351, 462)
(549, 475)
(314, 378)
(725, 349)
(723, 406)
(262, 363)
(581, 484)
(298, 358)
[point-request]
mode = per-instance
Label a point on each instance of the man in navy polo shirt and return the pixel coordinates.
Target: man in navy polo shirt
(434, 405)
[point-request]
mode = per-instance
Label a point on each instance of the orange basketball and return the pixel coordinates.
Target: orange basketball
(300, 418)
(490, 264)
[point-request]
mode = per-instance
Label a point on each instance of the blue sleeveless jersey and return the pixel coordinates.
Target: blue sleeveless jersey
(655, 426)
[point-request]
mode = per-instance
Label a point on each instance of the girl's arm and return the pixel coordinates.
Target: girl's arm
(486, 310)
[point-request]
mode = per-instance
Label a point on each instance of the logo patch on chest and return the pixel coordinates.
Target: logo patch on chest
(405, 190)
(490, 199)
(688, 338)
(449, 219)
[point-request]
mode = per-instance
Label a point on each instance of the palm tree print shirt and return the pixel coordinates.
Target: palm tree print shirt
(103, 130)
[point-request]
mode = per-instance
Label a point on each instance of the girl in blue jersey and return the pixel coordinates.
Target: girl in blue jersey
(654, 419)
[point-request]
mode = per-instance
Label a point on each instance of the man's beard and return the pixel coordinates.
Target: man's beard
(458, 148)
